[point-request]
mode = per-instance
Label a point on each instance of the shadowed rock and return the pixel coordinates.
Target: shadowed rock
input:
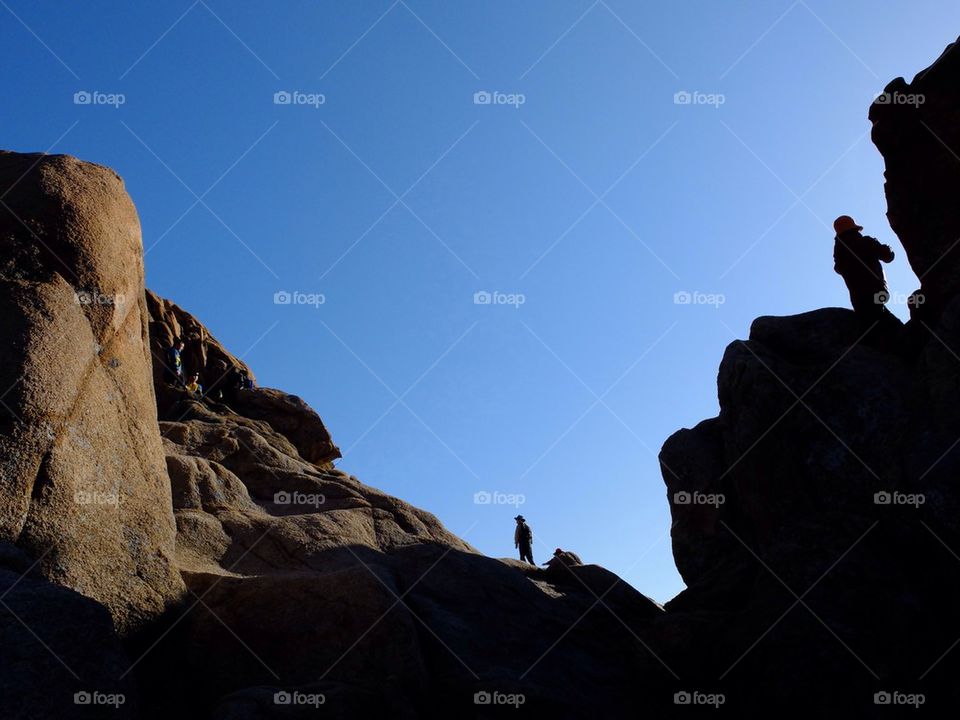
(916, 129)
(336, 587)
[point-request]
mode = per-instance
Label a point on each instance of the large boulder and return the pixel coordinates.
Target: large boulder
(817, 518)
(916, 127)
(84, 487)
(808, 520)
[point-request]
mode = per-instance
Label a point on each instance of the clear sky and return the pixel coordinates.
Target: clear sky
(582, 194)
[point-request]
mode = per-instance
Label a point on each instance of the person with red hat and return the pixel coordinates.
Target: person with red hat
(857, 258)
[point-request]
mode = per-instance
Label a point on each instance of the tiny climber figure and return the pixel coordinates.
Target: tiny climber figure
(523, 539)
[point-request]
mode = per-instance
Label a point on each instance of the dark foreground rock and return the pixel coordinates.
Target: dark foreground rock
(305, 581)
(817, 518)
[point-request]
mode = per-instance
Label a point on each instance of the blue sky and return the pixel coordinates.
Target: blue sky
(583, 189)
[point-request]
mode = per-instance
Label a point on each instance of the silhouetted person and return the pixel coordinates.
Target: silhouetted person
(562, 558)
(523, 539)
(857, 258)
(173, 368)
(558, 567)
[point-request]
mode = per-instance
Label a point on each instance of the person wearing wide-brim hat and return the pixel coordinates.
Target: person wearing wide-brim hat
(523, 539)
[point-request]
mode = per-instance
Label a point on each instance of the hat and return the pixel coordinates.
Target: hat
(519, 517)
(844, 223)
(557, 551)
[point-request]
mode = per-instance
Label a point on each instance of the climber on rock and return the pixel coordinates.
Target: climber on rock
(194, 388)
(857, 258)
(173, 368)
(558, 567)
(232, 383)
(563, 558)
(523, 539)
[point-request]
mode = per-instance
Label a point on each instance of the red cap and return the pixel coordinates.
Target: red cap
(844, 223)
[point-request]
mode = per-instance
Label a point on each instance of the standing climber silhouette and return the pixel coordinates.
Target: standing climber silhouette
(523, 539)
(857, 258)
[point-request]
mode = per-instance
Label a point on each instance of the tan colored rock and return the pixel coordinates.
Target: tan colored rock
(204, 354)
(84, 486)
